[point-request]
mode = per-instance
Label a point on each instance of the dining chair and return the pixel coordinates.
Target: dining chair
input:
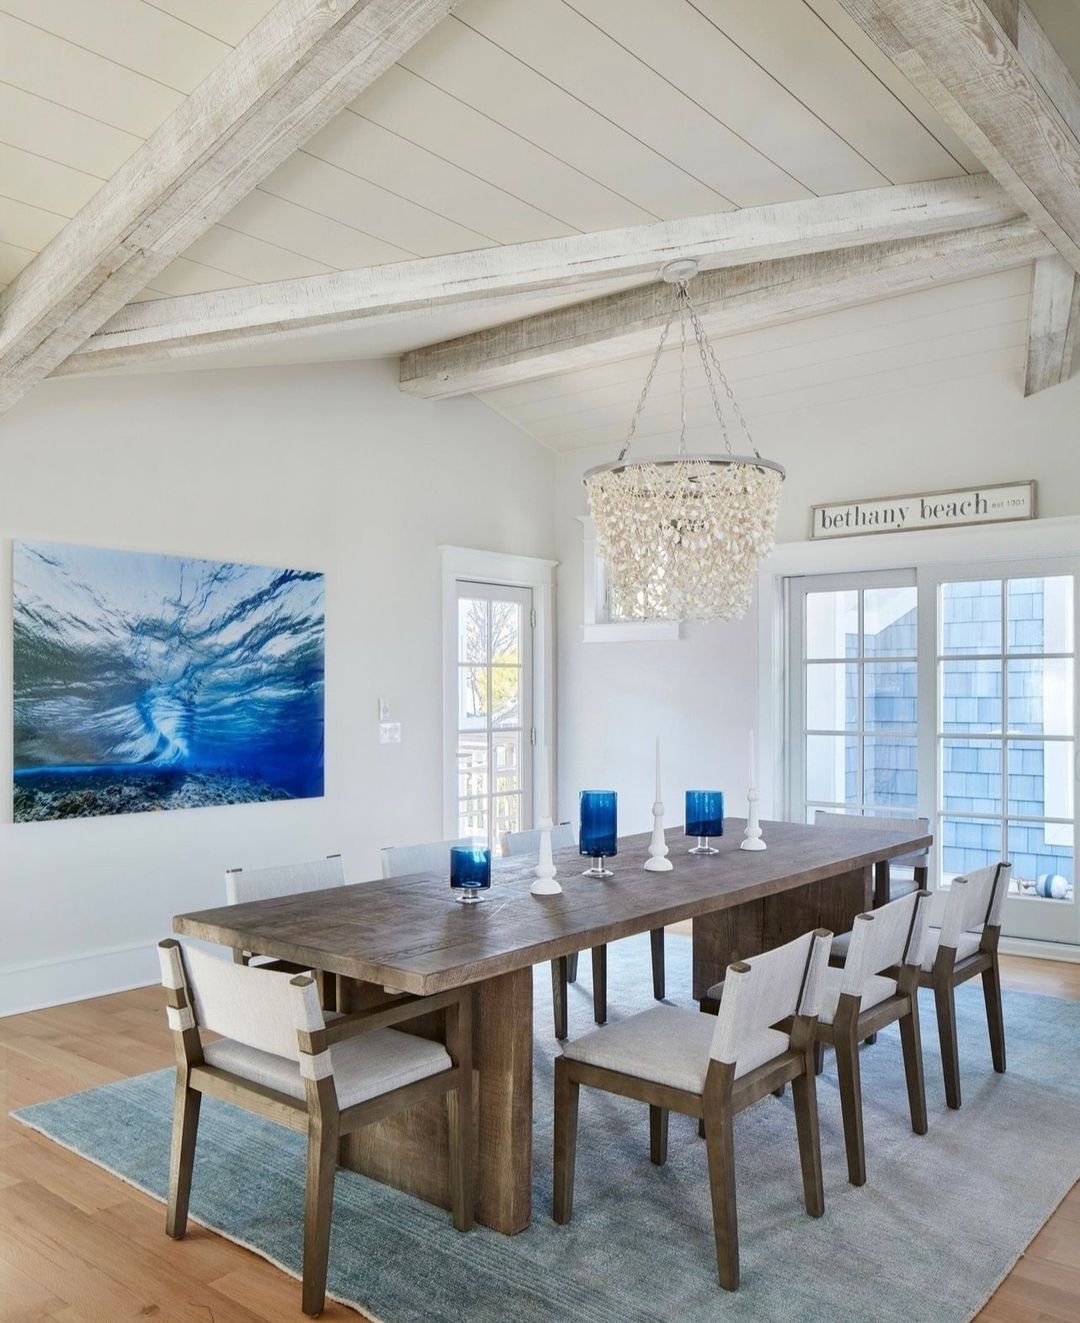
(676, 1060)
(966, 944)
(247, 884)
(878, 985)
(564, 969)
(280, 1059)
(434, 857)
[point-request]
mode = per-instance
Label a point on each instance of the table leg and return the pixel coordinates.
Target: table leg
(411, 1150)
(740, 931)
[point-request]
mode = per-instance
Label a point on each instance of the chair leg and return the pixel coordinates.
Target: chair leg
(559, 977)
(945, 1003)
(819, 1058)
(599, 983)
(459, 1113)
(995, 1020)
(656, 939)
(185, 1129)
(322, 1151)
(720, 1145)
(911, 1042)
(571, 967)
(658, 1130)
(848, 1078)
(566, 1124)
(804, 1096)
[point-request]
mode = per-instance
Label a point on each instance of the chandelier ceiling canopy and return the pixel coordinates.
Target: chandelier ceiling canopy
(682, 535)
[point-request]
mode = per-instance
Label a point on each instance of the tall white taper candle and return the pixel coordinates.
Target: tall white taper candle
(658, 796)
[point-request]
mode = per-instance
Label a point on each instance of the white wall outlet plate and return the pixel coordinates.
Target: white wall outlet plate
(389, 732)
(384, 709)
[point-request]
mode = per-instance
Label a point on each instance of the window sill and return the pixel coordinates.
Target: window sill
(632, 631)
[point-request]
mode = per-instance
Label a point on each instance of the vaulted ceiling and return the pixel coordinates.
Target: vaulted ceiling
(331, 221)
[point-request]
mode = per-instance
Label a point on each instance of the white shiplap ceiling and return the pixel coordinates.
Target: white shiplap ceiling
(516, 120)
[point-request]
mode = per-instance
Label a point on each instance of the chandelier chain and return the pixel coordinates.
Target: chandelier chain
(705, 347)
(645, 389)
(682, 376)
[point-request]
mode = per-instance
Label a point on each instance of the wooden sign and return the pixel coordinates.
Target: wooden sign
(992, 504)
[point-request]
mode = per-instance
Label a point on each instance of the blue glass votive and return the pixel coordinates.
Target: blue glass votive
(704, 818)
(598, 837)
(470, 873)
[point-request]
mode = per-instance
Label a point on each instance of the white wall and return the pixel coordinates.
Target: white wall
(701, 692)
(326, 467)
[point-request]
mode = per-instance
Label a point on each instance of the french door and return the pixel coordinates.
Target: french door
(495, 733)
(947, 692)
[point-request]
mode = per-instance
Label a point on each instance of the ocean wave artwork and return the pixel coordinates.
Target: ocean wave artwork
(146, 682)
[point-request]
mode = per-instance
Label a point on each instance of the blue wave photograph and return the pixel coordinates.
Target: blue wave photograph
(146, 682)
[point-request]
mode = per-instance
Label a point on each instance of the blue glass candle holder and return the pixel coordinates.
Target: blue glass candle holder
(704, 818)
(598, 838)
(470, 873)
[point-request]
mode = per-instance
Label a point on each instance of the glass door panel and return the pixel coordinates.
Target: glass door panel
(494, 718)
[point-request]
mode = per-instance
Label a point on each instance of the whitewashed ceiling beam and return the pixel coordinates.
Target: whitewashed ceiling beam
(989, 70)
(1055, 307)
(303, 63)
(167, 328)
(730, 300)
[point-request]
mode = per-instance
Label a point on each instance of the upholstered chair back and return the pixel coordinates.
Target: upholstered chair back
(257, 1007)
(243, 884)
(528, 842)
(975, 901)
(886, 937)
(917, 859)
(768, 988)
(401, 860)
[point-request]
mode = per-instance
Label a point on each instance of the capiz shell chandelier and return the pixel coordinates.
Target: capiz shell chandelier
(682, 535)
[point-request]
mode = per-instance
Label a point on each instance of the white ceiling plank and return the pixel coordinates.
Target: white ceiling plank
(228, 22)
(257, 260)
(554, 39)
(882, 141)
(408, 105)
(484, 76)
(981, 295)
(129, 33)
(13, 259)
(56, 133)
(397, 165)
(734, 299)
(958, 56)
(42, 183)
(183, 277)
(1055, 309)
(345, 197)
(308, 233)
(693, 54)
(729, 238)
(283, 83)
(48, 66)
(26, 226)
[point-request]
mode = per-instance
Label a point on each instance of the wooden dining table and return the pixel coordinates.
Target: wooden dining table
(406, 934)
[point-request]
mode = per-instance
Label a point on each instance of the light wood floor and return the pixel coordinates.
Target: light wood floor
(79, 1246)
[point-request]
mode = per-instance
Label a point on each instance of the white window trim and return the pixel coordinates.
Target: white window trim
(1042, 539)
(497, 567)
(597, 627)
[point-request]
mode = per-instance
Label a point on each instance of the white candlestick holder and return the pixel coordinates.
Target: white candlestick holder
(545, 884)
(658, 862)
(752, 836)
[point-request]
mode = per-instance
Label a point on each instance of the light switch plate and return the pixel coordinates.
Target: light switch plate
(389, 732)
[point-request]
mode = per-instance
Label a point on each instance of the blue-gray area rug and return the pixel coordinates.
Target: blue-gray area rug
(940, 1222)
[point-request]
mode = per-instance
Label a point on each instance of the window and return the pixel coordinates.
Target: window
(857, 698)
(1006, 663)
(949, 693)
(494, 710)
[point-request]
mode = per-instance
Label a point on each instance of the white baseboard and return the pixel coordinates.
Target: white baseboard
(42, 983)
(1027, 946)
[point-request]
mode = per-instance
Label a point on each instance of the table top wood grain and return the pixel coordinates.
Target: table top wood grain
(409, 933)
